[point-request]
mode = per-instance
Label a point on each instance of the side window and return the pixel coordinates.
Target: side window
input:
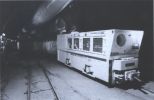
(76, 43)
(97, 45)
(86, 44)
(69, 42)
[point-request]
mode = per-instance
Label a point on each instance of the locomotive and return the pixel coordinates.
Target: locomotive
(109, 55)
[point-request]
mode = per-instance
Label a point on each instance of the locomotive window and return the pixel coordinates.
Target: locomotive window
(121, 40)
(86, 44)
(69, 43)
(76, 43)
(97, 45)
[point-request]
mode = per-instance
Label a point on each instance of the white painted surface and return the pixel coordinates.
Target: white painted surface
(79, 58)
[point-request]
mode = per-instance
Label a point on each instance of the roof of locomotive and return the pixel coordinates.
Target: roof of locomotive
(101, 31)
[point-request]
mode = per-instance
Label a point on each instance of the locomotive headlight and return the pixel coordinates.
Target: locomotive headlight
(121, 40)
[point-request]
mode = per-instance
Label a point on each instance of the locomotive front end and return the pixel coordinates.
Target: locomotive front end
(124, 56)
(125, 69)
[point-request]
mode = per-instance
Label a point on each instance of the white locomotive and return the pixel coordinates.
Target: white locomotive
(109, 55)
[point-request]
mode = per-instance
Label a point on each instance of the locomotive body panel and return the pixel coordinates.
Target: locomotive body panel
(109, 55)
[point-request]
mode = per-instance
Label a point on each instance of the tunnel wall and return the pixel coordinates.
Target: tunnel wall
(45, 46)
(32, 49)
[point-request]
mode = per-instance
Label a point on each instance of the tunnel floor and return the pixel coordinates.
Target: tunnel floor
(47, 79)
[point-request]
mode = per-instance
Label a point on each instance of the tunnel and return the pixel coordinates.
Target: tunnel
(30, 29)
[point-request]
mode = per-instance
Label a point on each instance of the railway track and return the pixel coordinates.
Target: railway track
(29, 84)
(31, 91)
(49, 81)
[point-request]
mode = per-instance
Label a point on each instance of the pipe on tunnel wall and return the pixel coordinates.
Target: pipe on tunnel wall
(49, 10)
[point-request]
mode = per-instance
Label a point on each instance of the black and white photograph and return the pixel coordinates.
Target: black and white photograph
(76, 50)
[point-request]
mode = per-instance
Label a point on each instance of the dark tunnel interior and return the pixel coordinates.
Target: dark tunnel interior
(86, 15)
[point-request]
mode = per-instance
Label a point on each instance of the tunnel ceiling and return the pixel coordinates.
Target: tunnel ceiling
(16, 14)
(16, 17)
